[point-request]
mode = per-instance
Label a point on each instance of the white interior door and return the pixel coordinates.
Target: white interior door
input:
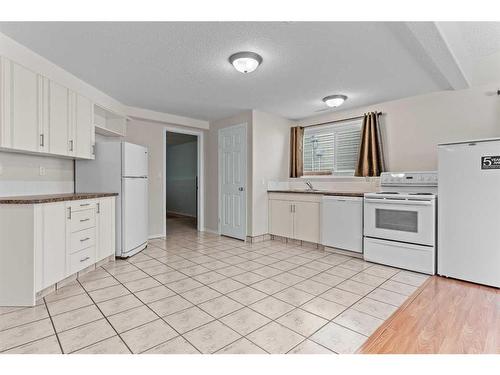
(232, 181)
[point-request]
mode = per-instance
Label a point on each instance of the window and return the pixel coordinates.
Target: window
(332, 149)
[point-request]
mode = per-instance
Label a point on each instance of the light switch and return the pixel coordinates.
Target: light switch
(42, 171)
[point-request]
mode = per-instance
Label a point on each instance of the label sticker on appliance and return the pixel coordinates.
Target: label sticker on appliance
(490, 162)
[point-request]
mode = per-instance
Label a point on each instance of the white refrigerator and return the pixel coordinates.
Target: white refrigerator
(120, 167)
(469, 211)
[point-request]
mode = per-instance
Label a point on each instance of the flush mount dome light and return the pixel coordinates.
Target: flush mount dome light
(245, 62)
(334, 100)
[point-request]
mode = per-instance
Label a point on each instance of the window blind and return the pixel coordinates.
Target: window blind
(332, 148)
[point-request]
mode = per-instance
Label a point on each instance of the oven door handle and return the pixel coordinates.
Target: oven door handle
(399, 201)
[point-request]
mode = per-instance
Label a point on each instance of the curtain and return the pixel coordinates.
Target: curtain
(370, 159)
(296, 151)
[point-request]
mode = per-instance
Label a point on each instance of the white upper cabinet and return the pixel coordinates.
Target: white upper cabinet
(60, 142)
(84, 127)
(19, 121)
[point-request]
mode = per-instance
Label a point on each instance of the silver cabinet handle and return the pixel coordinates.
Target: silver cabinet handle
(291, 208)
(93, 149)
(241, 188)
(85, 204)
(84, 220)
(69, 213)
(71, 145)
(98, 207)
(85, 239)
(84, 259)
(42, 140)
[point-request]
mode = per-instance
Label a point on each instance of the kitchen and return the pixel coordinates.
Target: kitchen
(341, 223)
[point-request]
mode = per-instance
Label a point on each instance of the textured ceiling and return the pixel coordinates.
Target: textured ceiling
(182, 68)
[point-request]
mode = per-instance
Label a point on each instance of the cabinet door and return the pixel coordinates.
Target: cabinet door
(84, 127)
(105, 227)
(21, 89)
(54, 243)
(59, 120)
(306, 223)
(280, 218)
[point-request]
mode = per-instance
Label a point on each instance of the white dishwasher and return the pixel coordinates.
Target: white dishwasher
(342, 223)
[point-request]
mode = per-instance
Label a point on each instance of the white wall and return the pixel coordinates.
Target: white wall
(270, 161)
(413, 127)
(182, 163)
(20, 175)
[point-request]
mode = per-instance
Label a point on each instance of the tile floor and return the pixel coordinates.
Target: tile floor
(200, 293)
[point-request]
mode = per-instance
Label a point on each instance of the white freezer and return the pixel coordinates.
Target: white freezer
(469, 211)
(135, 160)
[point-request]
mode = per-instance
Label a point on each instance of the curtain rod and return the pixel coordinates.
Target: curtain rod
(342, 120)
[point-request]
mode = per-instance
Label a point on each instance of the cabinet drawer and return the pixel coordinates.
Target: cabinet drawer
(80, 205)
(81, 240)
(81, 259)
(81, 220)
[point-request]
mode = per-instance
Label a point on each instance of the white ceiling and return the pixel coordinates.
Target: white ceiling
(182, 67)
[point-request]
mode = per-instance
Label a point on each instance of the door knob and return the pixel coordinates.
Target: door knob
(241, 188)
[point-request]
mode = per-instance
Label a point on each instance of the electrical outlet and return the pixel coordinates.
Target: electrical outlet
(42, 171)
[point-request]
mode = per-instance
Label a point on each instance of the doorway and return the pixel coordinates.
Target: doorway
(181, 182)
(233, 181)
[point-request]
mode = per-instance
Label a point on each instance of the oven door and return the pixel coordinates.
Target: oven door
(411, 221)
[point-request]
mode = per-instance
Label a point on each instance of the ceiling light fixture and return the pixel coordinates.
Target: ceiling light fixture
(245, 62)
(334, 100)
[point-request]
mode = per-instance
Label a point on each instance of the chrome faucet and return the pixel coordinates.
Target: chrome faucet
(309, 185)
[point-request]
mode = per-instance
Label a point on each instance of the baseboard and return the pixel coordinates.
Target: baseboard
(154, 236)
(210, 231)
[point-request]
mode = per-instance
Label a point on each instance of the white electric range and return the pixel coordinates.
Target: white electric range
(400, 221)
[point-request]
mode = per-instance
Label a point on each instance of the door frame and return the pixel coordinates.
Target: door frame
(219, 177)
(200, 210)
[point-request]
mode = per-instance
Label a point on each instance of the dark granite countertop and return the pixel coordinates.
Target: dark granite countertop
(49, 198)
(322, 192)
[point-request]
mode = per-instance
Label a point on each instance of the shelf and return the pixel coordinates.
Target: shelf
(108, 123)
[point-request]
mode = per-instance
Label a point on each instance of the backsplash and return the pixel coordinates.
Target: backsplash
(331, 183)
(22, 174)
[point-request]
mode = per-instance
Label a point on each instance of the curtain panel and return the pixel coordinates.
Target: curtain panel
(296, 151)
(371, 158)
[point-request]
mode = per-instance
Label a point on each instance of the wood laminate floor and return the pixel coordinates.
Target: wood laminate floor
(443, 316)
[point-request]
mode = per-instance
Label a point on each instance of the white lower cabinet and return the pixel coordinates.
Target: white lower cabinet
(295, 216)
(42, 244)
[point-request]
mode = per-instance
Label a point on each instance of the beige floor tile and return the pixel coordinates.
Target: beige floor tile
(275, 339)
(242, 346)
(209, 277)
(194, 270)
(324, 308)
(183, 285)
(105, 294)
(248, 278)
(309, 347)
(358, 321)
(26, 333)
(9, 309)
(131, 276)
(341, 296)
(99, 283)
(141, 284)
(169, 305)
(269, 286)
(148, 263)
(395, 286)
(48, 345)
(304, 271)
(271, 307)
(132, 318)
(181, 264)
(154, 294)
(226, 286)
(328, 279)
(187, 320)
(356, 265)
(341, 272)
(374, 308)
(318, 265)
(85, 335)
(247, 295)
(113, 345)
(294, 296)
(302, 322)
(338, 339)
(366, 278)
(119, 268)
(170, 277)
(211, 337)
(268, 271)
(157, 270)
(382, 271)
(355, 287)
(387, 296)
(68, 304)
(65, 292)
(312, 287)
(245, 321)
(287, 278)
(23, 316)
(119, 304)
(410, 278)
(138, 258)
(146, 336)
(75, 318)
(230, 271)
(177, 345)
(220, 306)
(98, 273)
(200, 295)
